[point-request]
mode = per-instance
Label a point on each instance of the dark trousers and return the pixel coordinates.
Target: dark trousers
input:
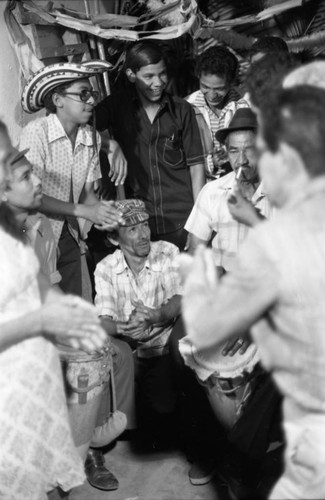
(247, 442)
(200, 432)
(155, 395)
(69, 263)
(261, 422)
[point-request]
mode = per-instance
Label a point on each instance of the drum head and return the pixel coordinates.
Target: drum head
(236, 365)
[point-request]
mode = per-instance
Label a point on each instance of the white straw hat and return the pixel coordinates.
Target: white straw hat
(50, 77)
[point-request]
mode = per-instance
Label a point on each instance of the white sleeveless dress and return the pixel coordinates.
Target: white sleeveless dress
(36, 448)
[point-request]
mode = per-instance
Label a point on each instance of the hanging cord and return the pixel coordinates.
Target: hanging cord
(113, 392)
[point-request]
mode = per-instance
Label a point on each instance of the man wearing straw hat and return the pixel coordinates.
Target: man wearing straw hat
(64, 153)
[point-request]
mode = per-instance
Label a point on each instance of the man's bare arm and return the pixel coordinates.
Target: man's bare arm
(193, 242)
(197, 173)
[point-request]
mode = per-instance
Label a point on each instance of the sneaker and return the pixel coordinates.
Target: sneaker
(202, 472)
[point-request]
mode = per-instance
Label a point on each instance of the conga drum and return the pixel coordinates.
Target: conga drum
(231, 386)
(86, 377)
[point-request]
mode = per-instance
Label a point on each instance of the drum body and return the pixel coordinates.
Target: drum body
(231, 386)
(86, 378)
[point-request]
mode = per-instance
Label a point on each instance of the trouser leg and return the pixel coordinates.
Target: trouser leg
(200, 431)
(156, 397)
(69, 263)
(304, 473)
(123, 366)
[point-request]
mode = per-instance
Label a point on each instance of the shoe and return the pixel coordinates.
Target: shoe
(237, 488)
(97, 474)
(202, 472)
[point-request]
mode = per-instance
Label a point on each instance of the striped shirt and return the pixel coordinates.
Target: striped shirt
(211, 215)
(157, 282)
(213, 121)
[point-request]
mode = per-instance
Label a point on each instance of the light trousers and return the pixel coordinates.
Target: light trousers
(304, 474)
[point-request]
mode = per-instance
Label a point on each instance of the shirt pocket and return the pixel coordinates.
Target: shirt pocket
(172, 151)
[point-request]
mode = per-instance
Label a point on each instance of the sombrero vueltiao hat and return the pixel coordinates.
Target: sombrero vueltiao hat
(49, 77)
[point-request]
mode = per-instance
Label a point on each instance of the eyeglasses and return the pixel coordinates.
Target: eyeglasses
(85, 94)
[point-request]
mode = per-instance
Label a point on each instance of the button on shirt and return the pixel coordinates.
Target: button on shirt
(211, 215)
(158, 281)
(62, 169)
(159, 154)
(216, 122)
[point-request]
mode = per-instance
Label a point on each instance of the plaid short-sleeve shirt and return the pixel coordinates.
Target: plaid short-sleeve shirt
(62, 169)
(117, 287)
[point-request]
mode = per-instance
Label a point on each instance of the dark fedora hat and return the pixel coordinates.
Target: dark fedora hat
(243, 119)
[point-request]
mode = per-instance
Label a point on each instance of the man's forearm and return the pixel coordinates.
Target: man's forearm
(88, 197)
(109, 325)
(170, 310)
(194, 242)
(213, 315)
(52, 206)
(197, 173)
(22, 328)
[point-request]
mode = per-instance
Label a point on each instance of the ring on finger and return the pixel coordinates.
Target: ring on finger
(240, 342)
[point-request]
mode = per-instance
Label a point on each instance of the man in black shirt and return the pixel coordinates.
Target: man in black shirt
(160, 139)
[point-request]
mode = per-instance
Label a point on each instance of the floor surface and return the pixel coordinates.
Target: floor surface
(150, 476)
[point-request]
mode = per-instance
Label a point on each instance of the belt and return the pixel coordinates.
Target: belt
(232, 384)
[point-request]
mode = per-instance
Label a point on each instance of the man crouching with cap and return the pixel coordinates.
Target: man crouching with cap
(138, 299)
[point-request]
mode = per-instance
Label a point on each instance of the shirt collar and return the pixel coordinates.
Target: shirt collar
(55, 128)
(259, 193)
(230, 181)
(151, 262)
(165, 100)
(233, 96)
(56, 131)
(35, 221)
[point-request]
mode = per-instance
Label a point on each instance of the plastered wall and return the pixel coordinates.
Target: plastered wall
(10, 76)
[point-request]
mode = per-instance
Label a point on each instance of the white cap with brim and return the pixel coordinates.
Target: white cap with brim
(50, 77)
